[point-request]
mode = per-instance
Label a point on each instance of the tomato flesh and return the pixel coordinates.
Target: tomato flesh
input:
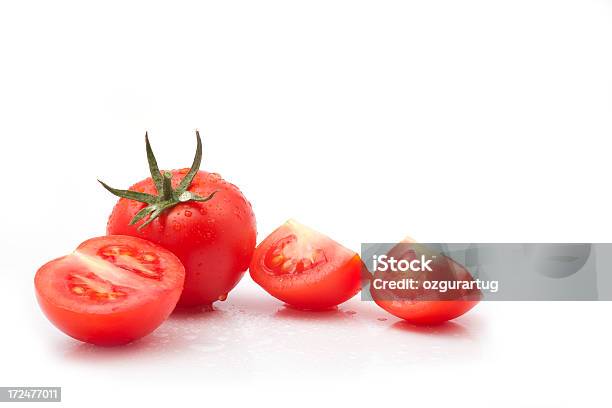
(286, 256)
(111, 290)
(306, 269)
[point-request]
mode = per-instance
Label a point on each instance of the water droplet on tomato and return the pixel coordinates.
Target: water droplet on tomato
(223, 297)
(187, 213)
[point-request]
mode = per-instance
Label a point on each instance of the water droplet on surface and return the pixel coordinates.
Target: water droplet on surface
(382, 319)
(187, 213)
(223, 297)
(350, 312)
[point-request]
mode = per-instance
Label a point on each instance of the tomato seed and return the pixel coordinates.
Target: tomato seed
(288, 266)
(276, 261)
(149, 257)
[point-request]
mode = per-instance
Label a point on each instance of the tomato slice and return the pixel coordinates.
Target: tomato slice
(419, 306)
(111, 290)
(305, 268)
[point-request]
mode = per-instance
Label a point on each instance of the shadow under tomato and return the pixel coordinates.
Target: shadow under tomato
(181, 330)
(291, 313)
(147, 346)
(200, 312)
(446, 329)
(449, 341)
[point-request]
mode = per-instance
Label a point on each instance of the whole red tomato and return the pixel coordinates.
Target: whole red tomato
(204, 220)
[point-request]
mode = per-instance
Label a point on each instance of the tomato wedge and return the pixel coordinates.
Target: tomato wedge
(305, 268)
(111, 290)
(419, 306)
(427, 312)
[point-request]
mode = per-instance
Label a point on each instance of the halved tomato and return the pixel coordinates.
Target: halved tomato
(111, 290)
(305, 268)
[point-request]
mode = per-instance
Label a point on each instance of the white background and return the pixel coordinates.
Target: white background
(449, 121)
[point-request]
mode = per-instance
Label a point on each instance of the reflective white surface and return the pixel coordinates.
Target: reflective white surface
(253, 347)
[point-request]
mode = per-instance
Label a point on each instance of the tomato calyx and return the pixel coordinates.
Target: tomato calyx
(167, 196)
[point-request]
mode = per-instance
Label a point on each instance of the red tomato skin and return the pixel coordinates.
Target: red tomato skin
(326, 291)
(428, 312)
(111, 329)
(214, 240)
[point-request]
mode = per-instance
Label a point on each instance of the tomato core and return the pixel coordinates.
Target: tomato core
(289, 256)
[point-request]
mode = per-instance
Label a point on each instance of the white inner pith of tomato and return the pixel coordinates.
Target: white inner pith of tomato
(104, 276)
(295, 253)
